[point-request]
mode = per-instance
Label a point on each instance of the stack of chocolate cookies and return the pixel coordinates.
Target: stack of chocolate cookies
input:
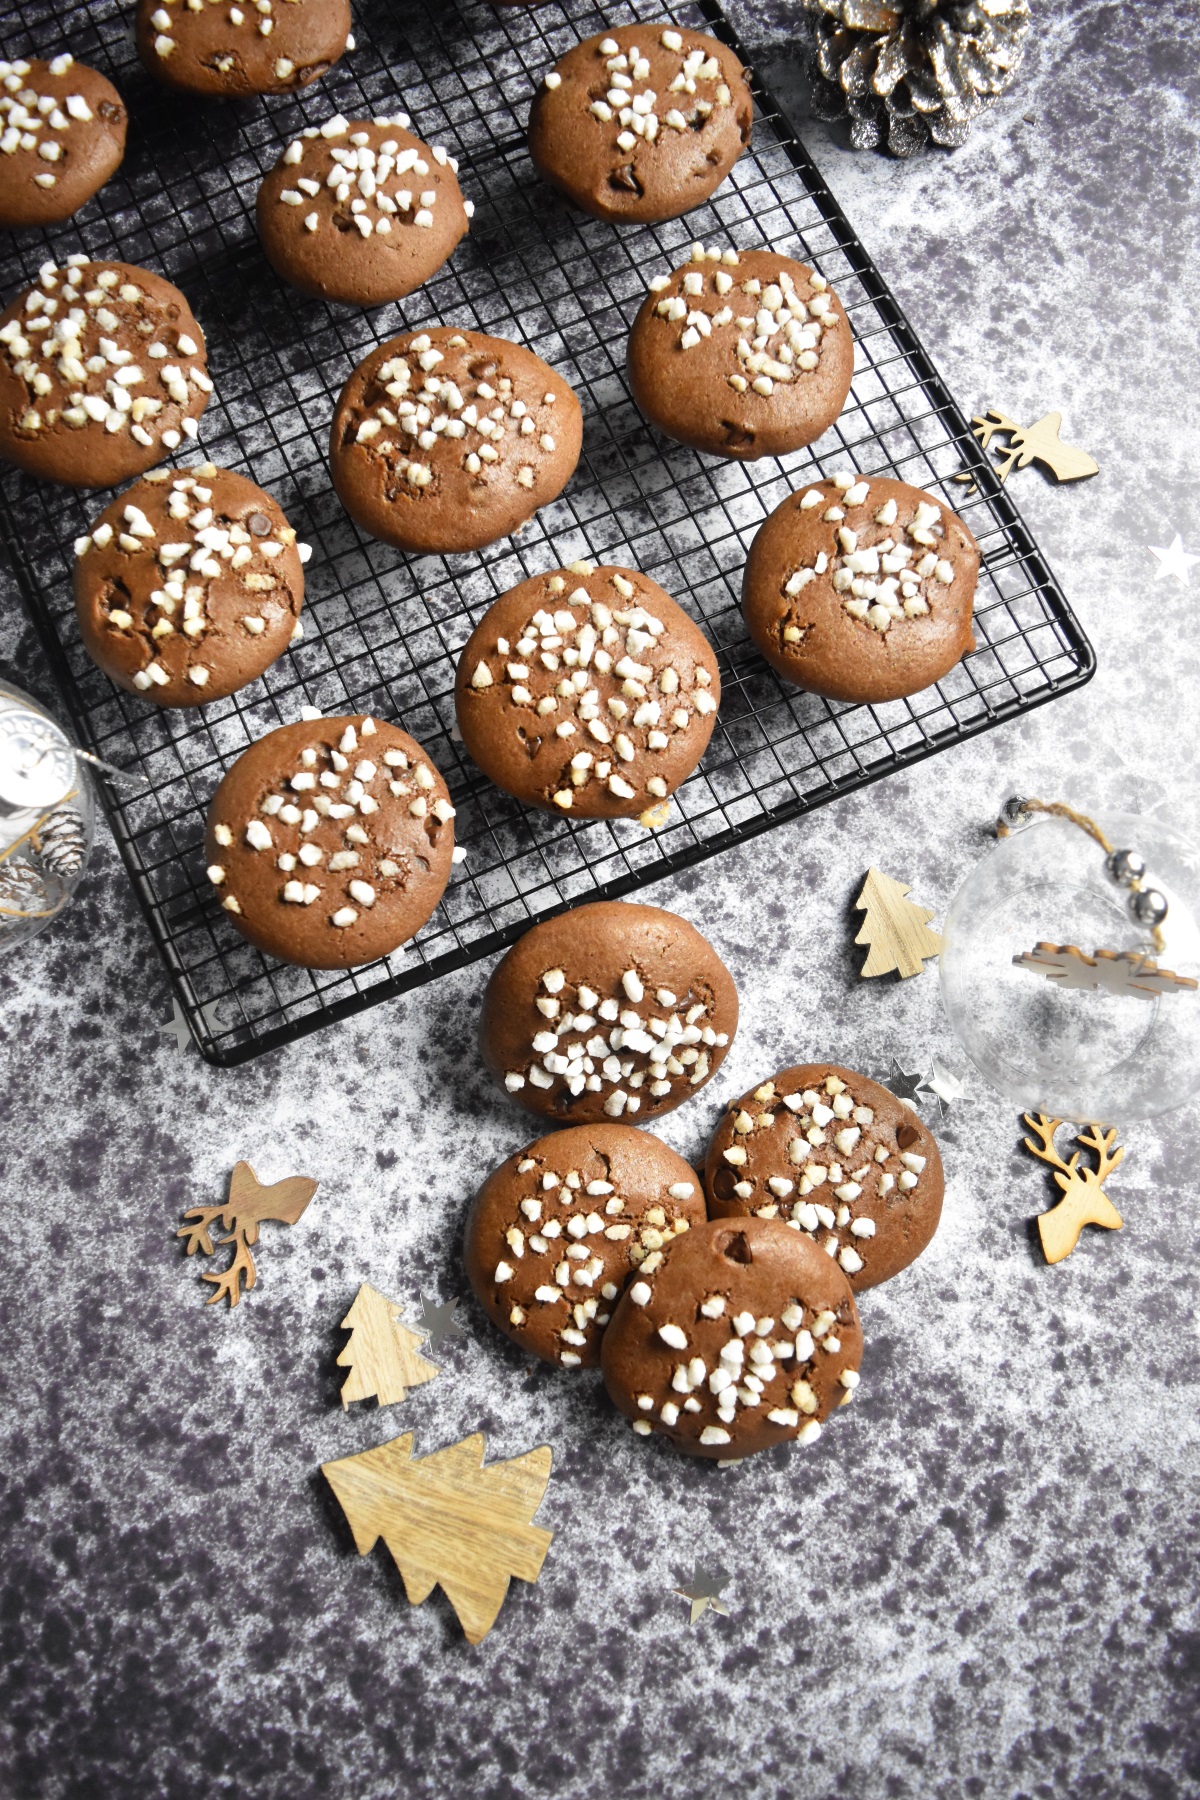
(720, 1307)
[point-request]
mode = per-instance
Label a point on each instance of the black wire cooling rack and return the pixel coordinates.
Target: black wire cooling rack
(382, 631)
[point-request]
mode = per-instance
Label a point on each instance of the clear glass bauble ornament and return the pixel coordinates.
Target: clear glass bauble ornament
(1075, 1053)
(47, 818)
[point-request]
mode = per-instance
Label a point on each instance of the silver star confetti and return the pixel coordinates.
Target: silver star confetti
(178, 1027)
(945, 1084)
(438, 1322)
(705, 1591)
(1173, 560)
(904, 1084)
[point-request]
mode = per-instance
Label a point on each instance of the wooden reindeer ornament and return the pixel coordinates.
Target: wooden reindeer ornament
(248, 1205)
(1084, 1201)
(1038, 442)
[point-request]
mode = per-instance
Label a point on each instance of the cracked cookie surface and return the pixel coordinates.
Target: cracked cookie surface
(557, 1231)
(189, 585)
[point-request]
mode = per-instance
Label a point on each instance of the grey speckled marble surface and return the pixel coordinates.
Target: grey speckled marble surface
(983, 1580)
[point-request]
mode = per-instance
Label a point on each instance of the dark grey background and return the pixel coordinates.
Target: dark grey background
(983, 1580)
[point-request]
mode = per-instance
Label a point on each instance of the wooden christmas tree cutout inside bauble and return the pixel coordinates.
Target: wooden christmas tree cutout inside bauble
(1110, 971)
(448, 1521)
(248, 1205)
(1084, 1201)
(383, 1356)
(896, 929)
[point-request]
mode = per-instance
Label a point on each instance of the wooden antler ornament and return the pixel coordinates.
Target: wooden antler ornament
(1084, 1201)
(248, 1205)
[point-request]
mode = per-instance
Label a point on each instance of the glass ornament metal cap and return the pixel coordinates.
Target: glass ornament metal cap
(1089, 1047)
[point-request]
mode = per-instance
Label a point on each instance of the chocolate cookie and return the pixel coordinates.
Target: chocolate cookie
(836, 1157)
(642, 122)
(587, 691)
(557, 1229)
(330, 841)
(62, 134)
(741, 353)
(361, 210)
(189, 585)
(447, 440)
(245, 47)
(744, 1338)
(103, 368)
(861, 588)
(606, 1011)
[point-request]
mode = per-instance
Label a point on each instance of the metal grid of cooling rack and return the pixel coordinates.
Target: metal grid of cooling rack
(382, 630)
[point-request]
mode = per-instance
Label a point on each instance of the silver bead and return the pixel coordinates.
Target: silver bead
(1126, 867)
(1148, 906)
(1013, 810)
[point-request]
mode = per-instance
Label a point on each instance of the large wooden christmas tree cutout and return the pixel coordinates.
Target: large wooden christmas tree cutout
(896, 929)
(448, 1521)
(383, 1356)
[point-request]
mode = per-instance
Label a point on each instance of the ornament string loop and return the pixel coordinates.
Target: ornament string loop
(1015, 809)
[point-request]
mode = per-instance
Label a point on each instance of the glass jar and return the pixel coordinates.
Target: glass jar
(47, 817)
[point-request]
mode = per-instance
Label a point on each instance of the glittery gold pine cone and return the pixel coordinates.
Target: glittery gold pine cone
(910, 71)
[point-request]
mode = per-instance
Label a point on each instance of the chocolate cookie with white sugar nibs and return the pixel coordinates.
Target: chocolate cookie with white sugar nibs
(330, 842)
(838, 1159)
(587, 691)
(742, 353)
(446, 440)
(62, 134)
(862, 588)
(361, 210)
(557, 1230)
(227, 48)
(102, 369)
(745, 1337)
(608, 1011)
(189, 585)
(642, 122)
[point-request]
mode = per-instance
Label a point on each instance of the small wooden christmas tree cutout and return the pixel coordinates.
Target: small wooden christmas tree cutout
(383, 1356)
(1084, 1201)
(896, 929)
(448, 1521)
(248, 1205)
